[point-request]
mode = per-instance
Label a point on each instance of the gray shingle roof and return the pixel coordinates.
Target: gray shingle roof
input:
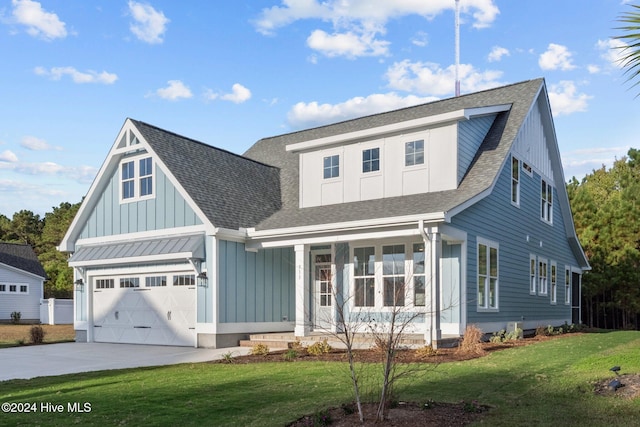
(232, 191)
(480, 176)
(22, 257)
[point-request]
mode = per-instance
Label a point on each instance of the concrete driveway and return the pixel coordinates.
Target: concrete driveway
(68, 358)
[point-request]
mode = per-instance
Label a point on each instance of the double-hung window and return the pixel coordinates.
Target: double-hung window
(128, 180)
(331, 167)
(419, 288)
(515, 181)
(414, 153)
(546, 202)
(542, 276)
(532, 274)
(136, 179)
(364, 276)
(487, 274)
(370, 160)
(567, 286)
(146, 177)
(393, 275)
(554, 282)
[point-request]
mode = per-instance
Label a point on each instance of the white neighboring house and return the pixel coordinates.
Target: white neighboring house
(21, 282)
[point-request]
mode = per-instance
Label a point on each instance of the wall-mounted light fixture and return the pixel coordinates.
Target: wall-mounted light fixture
(202, 279)
(79, 285)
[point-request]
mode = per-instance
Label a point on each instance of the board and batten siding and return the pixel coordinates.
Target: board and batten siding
(519, 232)
(255, 286)
(471, 133)
(168, 209)
(27, 304)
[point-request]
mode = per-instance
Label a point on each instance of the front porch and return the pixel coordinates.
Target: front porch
(284, 340)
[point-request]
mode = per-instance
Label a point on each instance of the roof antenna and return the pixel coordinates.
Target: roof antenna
(457, 47)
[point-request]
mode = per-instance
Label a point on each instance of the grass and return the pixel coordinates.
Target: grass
(548, 383)
(14, 335)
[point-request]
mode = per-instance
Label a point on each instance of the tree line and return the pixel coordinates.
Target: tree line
(44, 234)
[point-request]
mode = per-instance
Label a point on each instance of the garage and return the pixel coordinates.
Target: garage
(154, 309)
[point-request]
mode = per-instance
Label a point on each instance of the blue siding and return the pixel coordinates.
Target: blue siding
(496, 219)
(255, 287)
(471, 133)
(168, 209)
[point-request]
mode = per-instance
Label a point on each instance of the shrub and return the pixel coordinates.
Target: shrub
(15, 317)
(227, 357)
(319, 347)
(296, 345)
(259, 350)
(426, 351)
(503, 336)
(36, 333)
(471, 341)
(290, 355)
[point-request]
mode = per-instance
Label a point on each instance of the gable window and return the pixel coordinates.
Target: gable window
(104, 283)
(567, 286)
(419, 289)
(331, 167)
(370, 160)
(414, 153)
(393, 275)
(515, 181)
(527, 169)
(546, 196)
(542, 276)
(136, 178)
(364, 276)
(532, 274)
(553, 282)
(487, 274)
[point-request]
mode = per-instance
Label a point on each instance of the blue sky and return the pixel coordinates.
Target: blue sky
(231, 72)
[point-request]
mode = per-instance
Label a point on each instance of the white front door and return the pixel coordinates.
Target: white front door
(323, 293)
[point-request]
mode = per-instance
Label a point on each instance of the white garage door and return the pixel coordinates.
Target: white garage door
(151, 309)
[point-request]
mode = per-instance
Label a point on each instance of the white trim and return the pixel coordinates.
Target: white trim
(254, 327)
(553, 291)
(489, 244)
(458, 115)
(144, 235)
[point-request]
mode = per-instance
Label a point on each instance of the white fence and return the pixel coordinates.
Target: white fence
(56, 311)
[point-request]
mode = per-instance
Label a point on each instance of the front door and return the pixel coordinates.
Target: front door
(323, 293)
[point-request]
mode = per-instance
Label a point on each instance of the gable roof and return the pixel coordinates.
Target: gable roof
(232, 191)
(479, 178)
(22, 257)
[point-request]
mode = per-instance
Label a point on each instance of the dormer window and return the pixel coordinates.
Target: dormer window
(136, 177)
(370, 160)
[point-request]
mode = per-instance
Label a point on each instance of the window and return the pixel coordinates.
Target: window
(487, 274)
(154, 281)
(567, 286)
(331, 167)
(24, 289)
(542, 276)
(553, 282)
(393, 275)
(414, 153)
(13, 288)
(370, 160)
(419, 289)
(146, 177)
(128, 180)
(184, 280)
(129, 282)
(3, 288)
(546, 202)
(515, 181)
(364, 275)
(532, 274)
(527, 169)
(136, 177)
(104, 283)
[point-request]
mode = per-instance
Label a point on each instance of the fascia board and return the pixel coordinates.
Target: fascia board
(20, 271)
(133, 260)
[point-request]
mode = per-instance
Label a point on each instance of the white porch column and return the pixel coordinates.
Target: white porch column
(302, 290)
(433, 253)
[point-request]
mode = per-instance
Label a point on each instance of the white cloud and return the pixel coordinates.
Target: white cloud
(150, 25)
(82, 174)
(497, 53)
(174, 91)
(238, 95)
(557, 57)
(428, 78)
(613, 51)
(39, 23)
(421, 39)
(8, 156)
(37, 144)
(565, 99)
(90, 76)
(357, 23)
(349, 44)
(304, 115)
(593, 69)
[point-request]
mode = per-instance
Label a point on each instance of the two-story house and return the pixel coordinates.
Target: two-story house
(454, 211)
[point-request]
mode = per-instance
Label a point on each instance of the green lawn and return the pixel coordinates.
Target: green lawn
(548, 383)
